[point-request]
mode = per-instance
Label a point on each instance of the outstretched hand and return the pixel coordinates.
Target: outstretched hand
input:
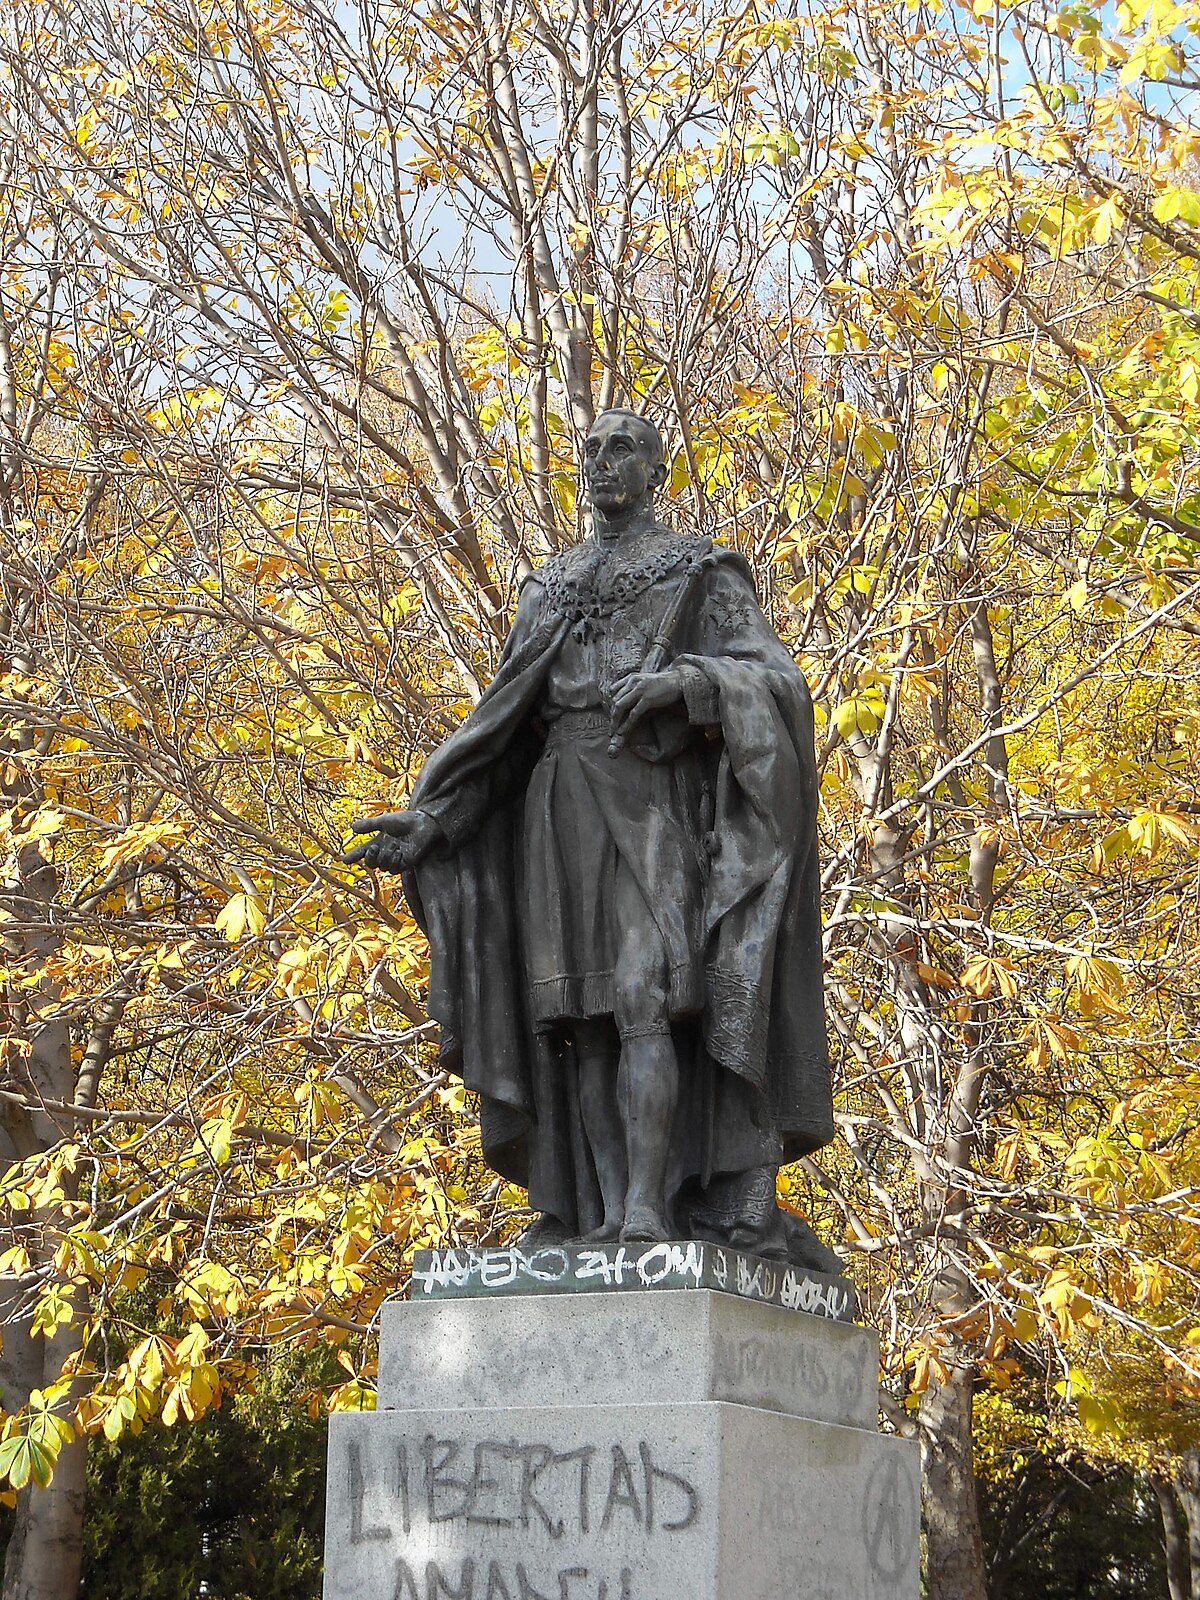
(400, 839)
(639, 694)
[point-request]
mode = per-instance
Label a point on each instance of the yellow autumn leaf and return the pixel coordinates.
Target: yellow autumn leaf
(241, 912)
(982, 974)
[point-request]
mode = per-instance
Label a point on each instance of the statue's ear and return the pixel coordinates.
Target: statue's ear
(658, 474)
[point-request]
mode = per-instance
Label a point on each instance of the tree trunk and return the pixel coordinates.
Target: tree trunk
(1187, 1483)
(954, 1544)
(45, 1552)
(1175, 1539)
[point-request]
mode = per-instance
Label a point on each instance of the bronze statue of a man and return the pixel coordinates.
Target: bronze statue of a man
(614, 859)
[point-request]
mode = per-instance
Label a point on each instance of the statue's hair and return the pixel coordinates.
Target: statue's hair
(645, 426)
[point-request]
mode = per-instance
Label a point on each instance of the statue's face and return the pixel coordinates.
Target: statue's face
(621, 467)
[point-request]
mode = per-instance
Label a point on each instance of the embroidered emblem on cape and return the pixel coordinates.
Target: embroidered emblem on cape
(587, 585)
(726, 613)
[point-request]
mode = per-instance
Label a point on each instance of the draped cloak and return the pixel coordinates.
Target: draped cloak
(755, 1082)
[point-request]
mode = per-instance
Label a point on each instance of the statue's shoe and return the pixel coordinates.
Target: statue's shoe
(606, 1233)
(804, 1249)
(544, 1232)
(643, 1226)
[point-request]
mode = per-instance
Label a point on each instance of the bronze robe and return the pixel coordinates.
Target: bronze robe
(736, 903)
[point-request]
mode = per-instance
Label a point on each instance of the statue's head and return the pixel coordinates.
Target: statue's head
(623, 463)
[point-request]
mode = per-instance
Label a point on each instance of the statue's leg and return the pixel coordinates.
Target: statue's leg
(647, 1087)
(648, 1081)
(596, 1052)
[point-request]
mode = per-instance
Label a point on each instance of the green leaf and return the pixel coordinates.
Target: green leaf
(15, 1461)
(41, 1461)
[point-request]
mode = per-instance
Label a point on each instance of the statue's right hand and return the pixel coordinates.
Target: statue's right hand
(399, 840)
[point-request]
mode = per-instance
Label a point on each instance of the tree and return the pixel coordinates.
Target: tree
(305, 309)
(232, 1507)
(1064, 1529)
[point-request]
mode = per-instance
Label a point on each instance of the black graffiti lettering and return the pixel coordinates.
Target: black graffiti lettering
(439, 1454)
(402, 1485)
(502, 1484)
(534, 1459)
(584, 1457)
(482, 1485)
(528, 1592)
(890, 1517)
(436, 1583)
(779, 1506)
(653, 1477)
(621, 1490)
(497, 1589)
(358, 1489)
(568, 1583)
(751, 1361)
(406, 1584)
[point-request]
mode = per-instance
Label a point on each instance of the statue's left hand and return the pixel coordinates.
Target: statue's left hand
(639, 694)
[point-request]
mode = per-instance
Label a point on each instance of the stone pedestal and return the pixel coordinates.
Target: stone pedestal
(649, 1443)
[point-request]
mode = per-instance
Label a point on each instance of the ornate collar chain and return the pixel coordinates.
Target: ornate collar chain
(593, 582)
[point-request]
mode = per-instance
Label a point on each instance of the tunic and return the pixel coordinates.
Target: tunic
(614, 863)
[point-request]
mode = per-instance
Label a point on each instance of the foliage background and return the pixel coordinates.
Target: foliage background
(303, 312)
